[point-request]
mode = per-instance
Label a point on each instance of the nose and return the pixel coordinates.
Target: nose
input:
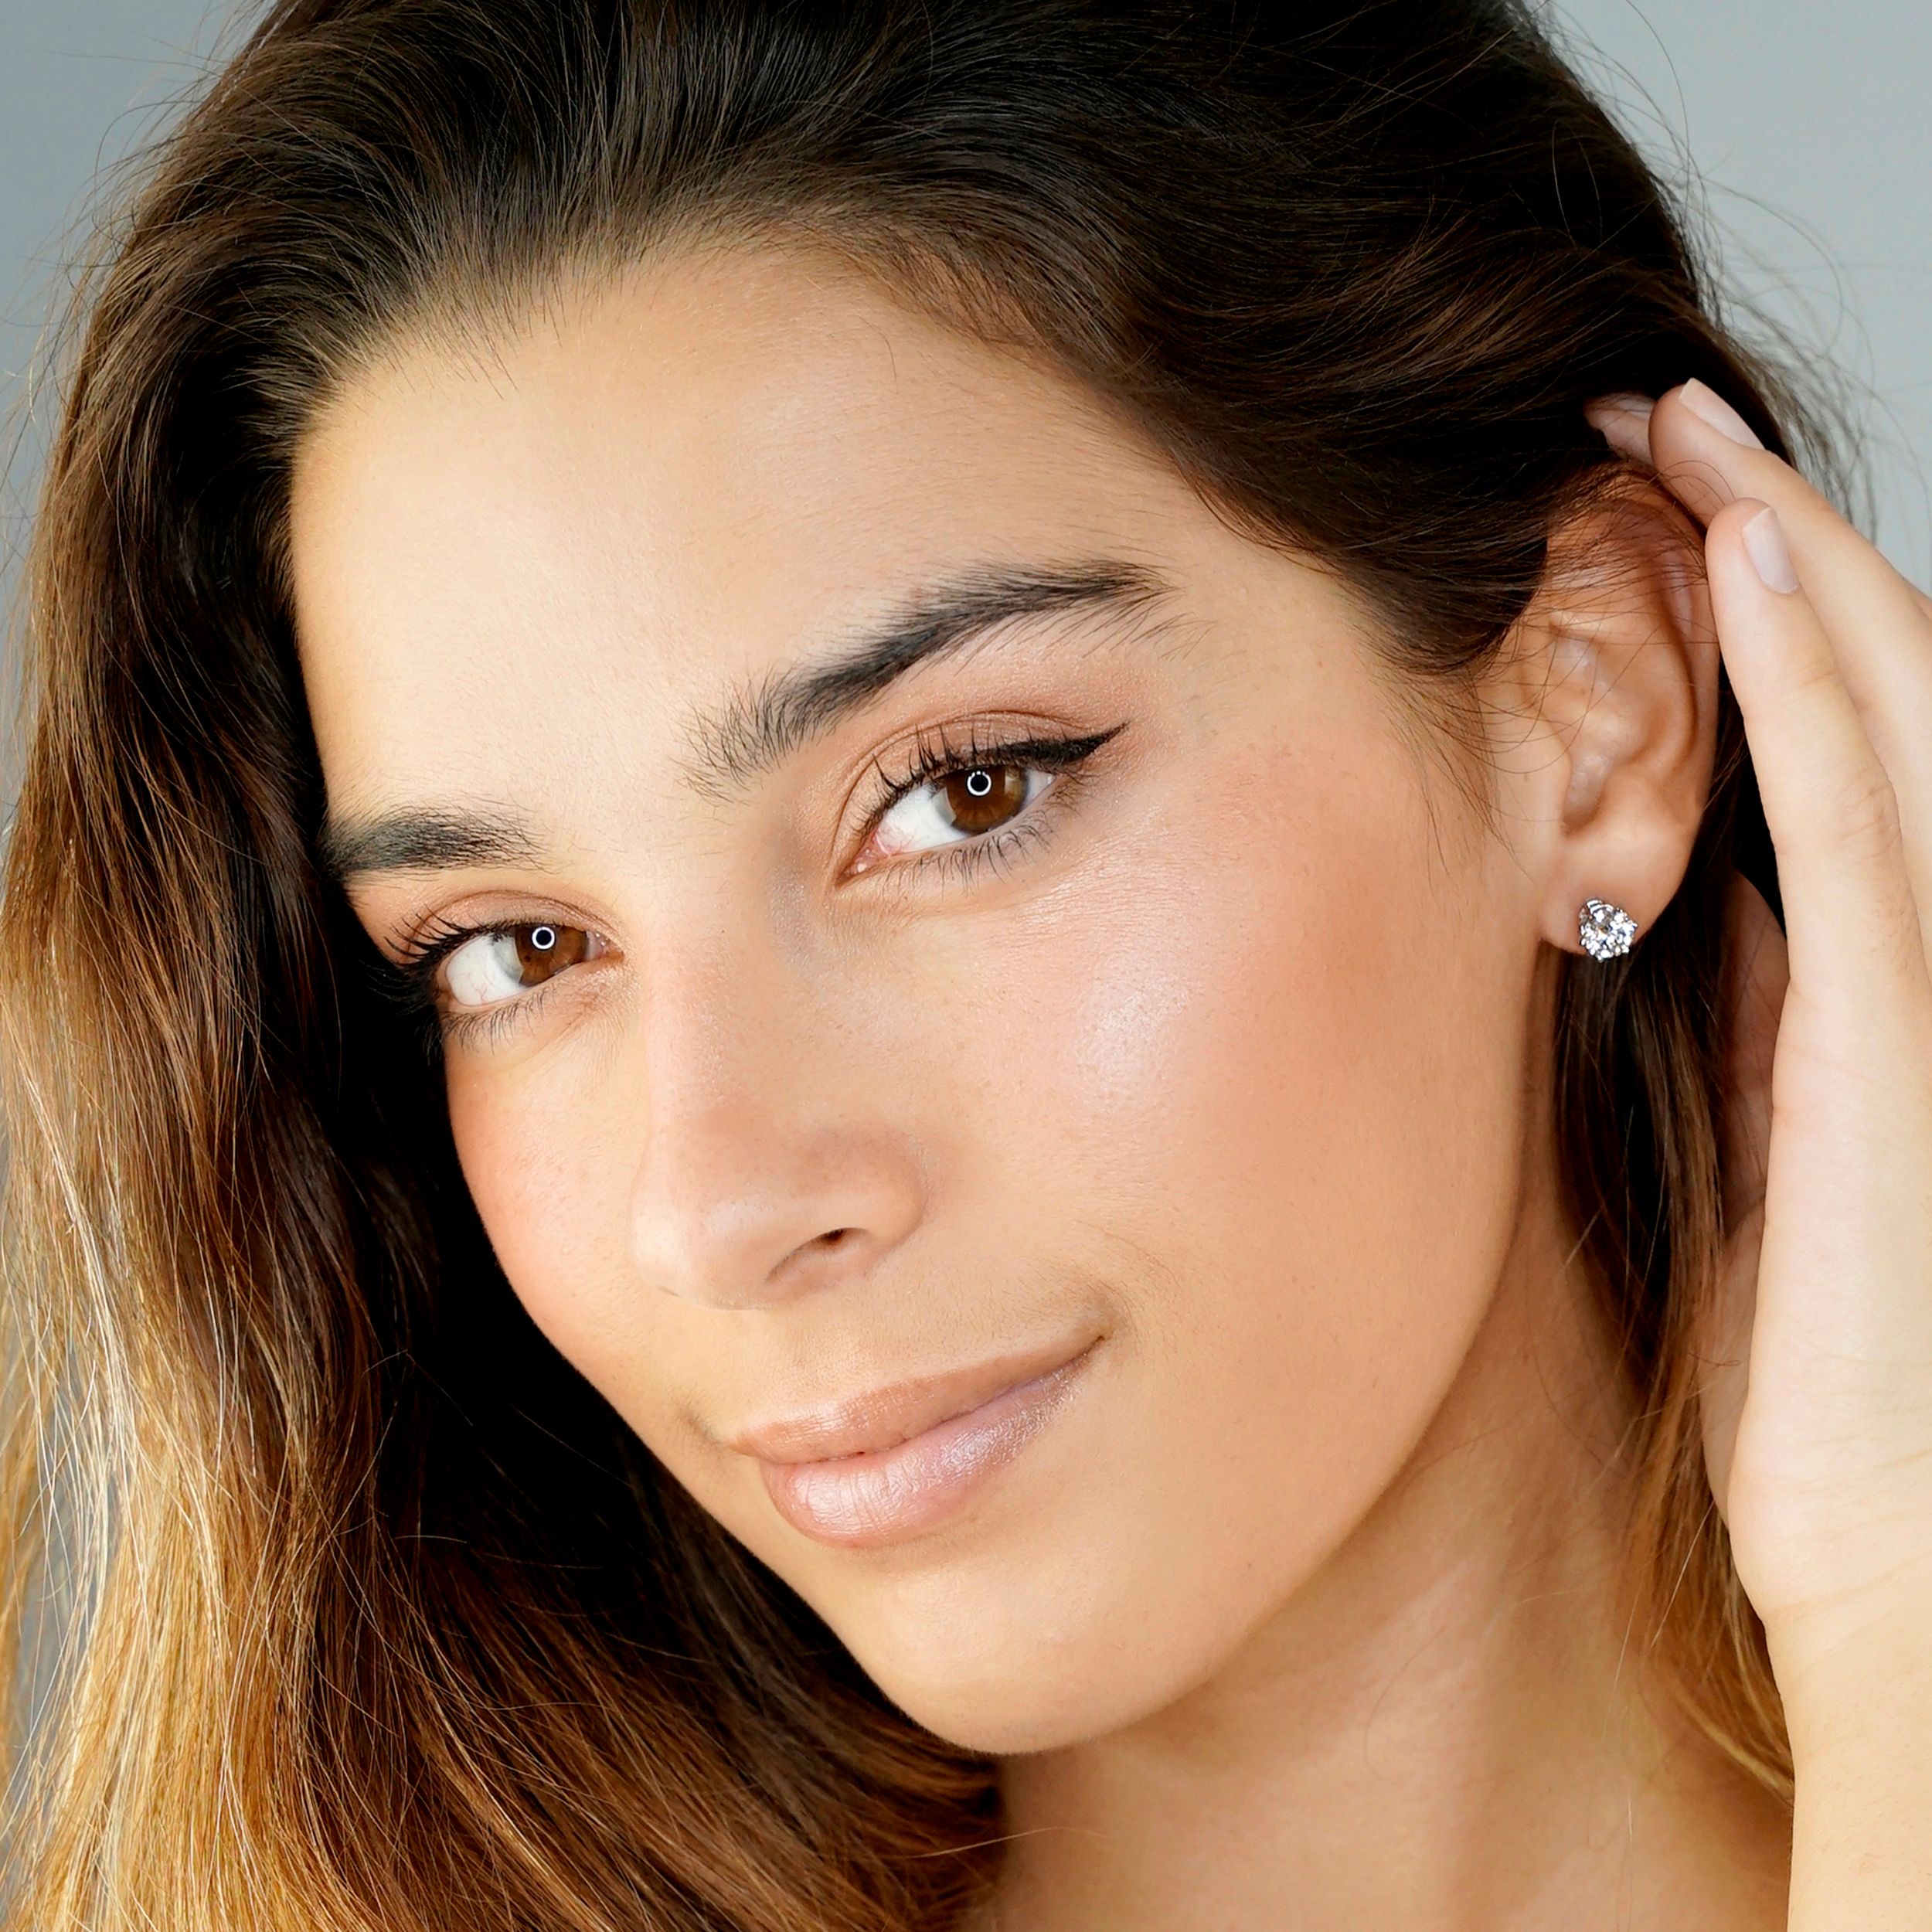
(767, 1169)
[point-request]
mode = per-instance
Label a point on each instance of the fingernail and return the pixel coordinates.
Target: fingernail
(1705, 403)
(1770, 556)
(1623, 421)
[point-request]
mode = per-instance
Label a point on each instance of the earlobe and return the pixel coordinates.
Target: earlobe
(1607, 931)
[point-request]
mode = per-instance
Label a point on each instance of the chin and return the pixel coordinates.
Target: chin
(1037, 1665)
(1058, 1625)
(1009, 1692)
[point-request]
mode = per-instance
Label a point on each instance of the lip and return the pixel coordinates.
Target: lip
(897, 1462)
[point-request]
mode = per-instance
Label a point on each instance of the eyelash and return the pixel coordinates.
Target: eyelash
(410, 982)
(936, 756)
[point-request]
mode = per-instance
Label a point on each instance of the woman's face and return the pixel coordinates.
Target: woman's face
(1124, 1122)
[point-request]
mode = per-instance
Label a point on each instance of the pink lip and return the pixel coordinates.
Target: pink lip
(896, 1463)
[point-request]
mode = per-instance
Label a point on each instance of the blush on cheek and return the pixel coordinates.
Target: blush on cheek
(1242, 994)
(1260, 1079)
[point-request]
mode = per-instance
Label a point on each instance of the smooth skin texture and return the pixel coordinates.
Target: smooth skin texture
(1231, 1059)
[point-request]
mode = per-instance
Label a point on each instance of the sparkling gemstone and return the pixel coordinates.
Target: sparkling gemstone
(1605, 930)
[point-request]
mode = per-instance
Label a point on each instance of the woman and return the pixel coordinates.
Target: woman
(1115, 1216)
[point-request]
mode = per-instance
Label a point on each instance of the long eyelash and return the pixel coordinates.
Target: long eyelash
(409, 982)
(408, 985)
(936, 756)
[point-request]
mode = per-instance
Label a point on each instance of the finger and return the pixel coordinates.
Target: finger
(1878, 622)
(1880, 625)
(1708, 456)
(1623, 420)
(1851, 918)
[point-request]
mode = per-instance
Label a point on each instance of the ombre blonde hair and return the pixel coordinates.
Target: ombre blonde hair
(380, 1617)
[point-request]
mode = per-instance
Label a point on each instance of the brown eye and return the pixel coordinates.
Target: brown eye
(956, 807)
(542, 951)
(983, 798)
(489, 967)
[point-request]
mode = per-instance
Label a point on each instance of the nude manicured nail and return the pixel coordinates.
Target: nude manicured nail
(1705, 403)
(1770, 556)
(1623, 421)
(1627, 402)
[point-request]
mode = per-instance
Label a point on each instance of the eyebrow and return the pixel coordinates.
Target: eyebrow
(410, 841)
(758, 726)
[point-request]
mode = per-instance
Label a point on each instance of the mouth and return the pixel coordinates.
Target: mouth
(899, 1462)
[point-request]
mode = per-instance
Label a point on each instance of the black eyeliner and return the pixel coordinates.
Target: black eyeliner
(929, 760)
(409, 983)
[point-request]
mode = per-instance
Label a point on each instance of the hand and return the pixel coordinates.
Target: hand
(1818, 1400)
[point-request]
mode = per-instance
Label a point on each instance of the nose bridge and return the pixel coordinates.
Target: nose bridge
(764, 1169)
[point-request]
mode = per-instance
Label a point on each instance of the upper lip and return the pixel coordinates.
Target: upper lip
(883, 1418)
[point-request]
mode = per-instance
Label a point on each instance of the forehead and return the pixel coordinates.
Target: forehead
(663, 484)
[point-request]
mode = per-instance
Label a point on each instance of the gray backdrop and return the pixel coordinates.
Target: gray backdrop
(1805, 127)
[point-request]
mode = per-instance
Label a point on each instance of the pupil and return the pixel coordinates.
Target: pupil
(544, 951)
(984, 798)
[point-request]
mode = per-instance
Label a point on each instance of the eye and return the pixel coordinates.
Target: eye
(491, 966)
(963, 803)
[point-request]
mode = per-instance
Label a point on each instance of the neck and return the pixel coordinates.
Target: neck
(1447, 1727)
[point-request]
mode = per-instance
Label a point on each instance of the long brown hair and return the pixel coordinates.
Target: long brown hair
(381, 1617)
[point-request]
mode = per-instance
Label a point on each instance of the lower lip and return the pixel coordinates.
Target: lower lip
(886, 1495)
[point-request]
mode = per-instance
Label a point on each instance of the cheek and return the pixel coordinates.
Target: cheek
(1329, 1129)
(1252, 1054)
(1284, 1127)
(549, 1185)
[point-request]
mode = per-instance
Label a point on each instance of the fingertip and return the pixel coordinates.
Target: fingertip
(1708, 407)
(1754, 587)
(1725, 528)
(1762, 536)
(1623, 420)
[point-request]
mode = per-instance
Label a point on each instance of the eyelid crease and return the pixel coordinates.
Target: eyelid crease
(410, 981)
(1123, 601)
(932, 756)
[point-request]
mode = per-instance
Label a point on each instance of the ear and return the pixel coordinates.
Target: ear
(1603, 709)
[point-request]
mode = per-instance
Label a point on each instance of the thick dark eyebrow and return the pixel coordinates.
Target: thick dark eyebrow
(422, 842)
(756, 728)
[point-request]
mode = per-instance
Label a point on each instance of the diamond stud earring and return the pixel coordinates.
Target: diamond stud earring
(1605, 930)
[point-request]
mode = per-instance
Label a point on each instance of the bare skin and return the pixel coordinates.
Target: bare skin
(1466, 1623)
(1301, 1610)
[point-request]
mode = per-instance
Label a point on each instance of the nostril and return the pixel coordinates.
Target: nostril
(732, 1224)
(833, 1242)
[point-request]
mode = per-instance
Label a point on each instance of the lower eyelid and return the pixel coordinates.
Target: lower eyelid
(463, 1023)
(963, 857)
(457, 1021)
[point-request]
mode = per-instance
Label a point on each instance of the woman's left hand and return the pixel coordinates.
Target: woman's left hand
(1818, 1407)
